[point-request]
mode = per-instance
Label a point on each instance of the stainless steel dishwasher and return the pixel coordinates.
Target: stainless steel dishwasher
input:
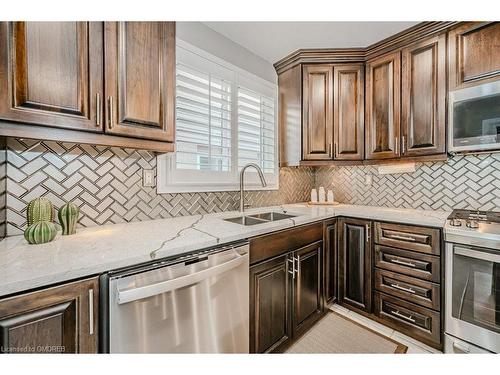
(195, 304)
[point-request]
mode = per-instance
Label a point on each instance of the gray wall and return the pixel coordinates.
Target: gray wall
(201, 36)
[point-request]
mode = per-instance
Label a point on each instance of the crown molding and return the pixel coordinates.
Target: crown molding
(360, 55)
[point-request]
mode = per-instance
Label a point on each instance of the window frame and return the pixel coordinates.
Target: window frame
(190, 180)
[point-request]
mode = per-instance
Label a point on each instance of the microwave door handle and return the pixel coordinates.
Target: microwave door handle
(130, 295)
(477, 254)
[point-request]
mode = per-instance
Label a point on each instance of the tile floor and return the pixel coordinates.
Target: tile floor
(414, 346)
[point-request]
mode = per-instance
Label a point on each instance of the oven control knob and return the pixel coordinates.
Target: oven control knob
(473, 224)
(455, 222)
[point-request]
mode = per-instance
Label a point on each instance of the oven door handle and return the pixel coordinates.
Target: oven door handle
(130, 295)
(458, 250)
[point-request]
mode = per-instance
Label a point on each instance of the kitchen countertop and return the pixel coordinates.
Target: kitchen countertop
(103, 248)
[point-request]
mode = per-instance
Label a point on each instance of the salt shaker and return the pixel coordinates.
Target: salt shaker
(314, 195)
(321, 194)
(330, 196)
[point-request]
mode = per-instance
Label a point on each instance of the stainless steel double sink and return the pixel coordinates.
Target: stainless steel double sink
(262, 218)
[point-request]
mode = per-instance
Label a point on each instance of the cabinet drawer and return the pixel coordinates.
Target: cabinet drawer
(422, 266)
(408, 318)
(409, 237)
(421, 292)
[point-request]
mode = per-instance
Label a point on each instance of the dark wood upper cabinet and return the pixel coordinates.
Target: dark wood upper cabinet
(270, 295)
(423, 123)
(62, 319)
(383, 112)
(290, 118)
(51, 73)
(330, 260)
(348, 116)
(474, 54)
(317, 112)
(140, 79)
(307, 290)
(355, 268)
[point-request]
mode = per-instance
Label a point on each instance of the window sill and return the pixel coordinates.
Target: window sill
(207, 188)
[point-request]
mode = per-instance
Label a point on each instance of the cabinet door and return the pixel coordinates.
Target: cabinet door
(51, 73)
(140, 79)
(474, 53)
(62, 319)
(383, 107)
(270, 323)
(424, 98)
(317, 120)
(355, 263)
(330, 261)
(349, 123)
(307, 291)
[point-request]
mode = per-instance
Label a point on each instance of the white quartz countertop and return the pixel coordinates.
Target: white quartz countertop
(95, 250)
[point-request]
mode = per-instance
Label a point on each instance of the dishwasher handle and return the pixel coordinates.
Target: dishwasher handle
(130, 295)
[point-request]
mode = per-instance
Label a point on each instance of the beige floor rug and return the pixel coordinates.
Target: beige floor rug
(337, 334)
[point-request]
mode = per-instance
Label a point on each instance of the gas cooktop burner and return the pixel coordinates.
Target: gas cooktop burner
(474, 216)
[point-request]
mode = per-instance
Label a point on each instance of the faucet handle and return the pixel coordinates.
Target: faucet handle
(247, 205)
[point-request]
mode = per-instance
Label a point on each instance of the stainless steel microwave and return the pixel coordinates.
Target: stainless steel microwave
(474, 118)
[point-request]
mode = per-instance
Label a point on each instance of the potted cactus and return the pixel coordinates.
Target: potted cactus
(40, 217)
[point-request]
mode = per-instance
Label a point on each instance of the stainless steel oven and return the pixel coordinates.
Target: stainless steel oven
(474, 118)
(473, 296)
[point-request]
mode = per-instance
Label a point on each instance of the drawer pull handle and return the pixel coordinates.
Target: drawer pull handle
(408, 264)
(292, 271)
(402, 316)
(402, 238)
(397, 286)
(91, 311)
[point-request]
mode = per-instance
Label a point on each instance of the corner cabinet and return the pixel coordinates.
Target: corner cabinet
(383, 106)
(107, 83)
(355, 263)
(62, 319)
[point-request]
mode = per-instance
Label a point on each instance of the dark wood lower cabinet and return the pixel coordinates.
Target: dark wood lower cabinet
(61, 319)
(270, 323)
(355, 266)
(330, 260)
(307, 290)
(286, 286)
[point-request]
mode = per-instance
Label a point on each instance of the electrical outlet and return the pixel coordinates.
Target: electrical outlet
(368, 180)
(148, 177)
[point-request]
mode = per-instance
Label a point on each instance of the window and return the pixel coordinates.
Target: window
(225, 119)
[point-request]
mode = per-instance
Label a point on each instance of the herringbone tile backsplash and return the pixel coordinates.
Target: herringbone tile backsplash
(471, 182)
(106, 183)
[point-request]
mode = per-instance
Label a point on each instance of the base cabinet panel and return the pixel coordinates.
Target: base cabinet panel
(270, 323)
(62, 319)
(308, 299)
(330, 261)
(355, 263)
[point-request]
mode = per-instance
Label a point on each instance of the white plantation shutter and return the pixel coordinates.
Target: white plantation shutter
(256, 130)
(225, 118)
(203, 127)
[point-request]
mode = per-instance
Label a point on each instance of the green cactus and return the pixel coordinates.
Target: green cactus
(40, 232)
(39, 209)
(68, 217)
